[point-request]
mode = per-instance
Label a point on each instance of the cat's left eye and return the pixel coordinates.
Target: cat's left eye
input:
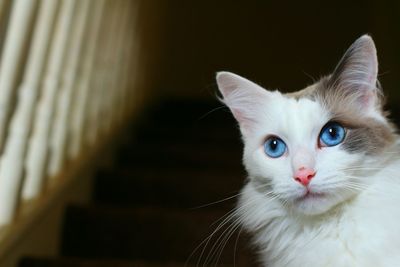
(332, 134)
(274, 147)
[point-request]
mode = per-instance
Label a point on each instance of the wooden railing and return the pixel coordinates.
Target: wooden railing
(66, 80)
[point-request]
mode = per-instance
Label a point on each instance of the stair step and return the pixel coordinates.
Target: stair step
(206, 129)
(188, 122)
(189, 135)
(186, 112)
(179, 155)
(179, 187)
(148, 210)
(75, 262)
(147, 234)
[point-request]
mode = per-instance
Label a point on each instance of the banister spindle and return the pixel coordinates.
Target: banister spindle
(38, 149)
(109, 66)
(3, 4)
(121, 60)
(22, 15)
(95, 118)
(4, 9)
(60, 127)
(115, 65)
(12, 160)
(133, 98)
(130, 72)
(126, 71)
(84, 81)
(96, 77)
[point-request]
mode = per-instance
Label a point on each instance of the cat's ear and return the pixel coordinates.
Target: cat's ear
(243, 97)
(356, 74)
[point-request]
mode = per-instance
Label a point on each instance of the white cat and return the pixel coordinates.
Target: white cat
(323, 165)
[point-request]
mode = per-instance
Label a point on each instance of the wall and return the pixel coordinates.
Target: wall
(279, 44)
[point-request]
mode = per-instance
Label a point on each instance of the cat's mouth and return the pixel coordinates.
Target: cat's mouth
(311, 195)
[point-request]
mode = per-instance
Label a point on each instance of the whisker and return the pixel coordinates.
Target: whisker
(226, 218)
(228, 198)
(215, 202)
(211, 111)
(222, 241)
(208, 239)
(233, 220)
(236, 245)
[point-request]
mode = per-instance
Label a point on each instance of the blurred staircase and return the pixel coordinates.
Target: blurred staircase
(150, 208)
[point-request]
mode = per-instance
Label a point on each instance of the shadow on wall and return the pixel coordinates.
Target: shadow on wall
(276, 43)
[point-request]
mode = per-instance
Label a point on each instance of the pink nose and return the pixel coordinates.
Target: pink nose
(304, 175)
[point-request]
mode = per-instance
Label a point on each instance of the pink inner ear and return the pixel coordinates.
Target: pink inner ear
(367, 99)
(246, 124)
(238, 115)
(371, 77)
(241, 118)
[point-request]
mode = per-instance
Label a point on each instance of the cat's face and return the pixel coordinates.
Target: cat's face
(311, 149)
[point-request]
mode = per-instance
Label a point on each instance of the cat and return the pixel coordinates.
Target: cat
(323, 166)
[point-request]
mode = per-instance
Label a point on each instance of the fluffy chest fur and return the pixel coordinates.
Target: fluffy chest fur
(361, 232)
(323, 167)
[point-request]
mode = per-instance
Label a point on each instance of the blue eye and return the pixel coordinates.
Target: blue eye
(332, 134)
(274, 147)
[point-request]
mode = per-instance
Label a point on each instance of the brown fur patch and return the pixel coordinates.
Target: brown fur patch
(353, 97)
(370, 137)
(308, 92)
(364, 133)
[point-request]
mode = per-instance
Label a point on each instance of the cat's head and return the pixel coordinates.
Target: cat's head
(313, 148)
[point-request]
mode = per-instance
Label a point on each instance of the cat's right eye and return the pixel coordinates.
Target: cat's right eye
(274, 147)
(332, 134)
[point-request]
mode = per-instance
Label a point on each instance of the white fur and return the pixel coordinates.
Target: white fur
(362, 231)
(352, 219)
(348, 227)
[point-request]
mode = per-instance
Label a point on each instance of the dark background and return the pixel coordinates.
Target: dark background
(279, 44)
